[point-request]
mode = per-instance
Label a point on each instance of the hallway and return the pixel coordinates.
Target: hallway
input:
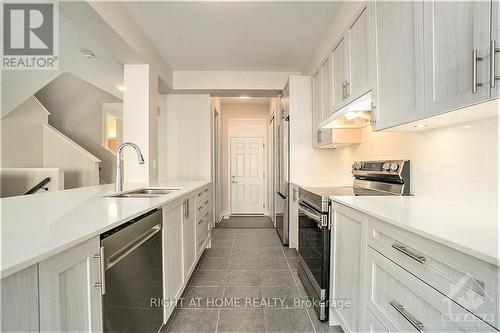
(247, 282)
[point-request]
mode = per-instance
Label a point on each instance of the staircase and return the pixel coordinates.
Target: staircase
(28, 141)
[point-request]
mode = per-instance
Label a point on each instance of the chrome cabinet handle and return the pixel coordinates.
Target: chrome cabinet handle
(475, 59)
(102, 269)
(347, 89)
(419, 326)
(493, 51)
(405, 251)
(319, 136)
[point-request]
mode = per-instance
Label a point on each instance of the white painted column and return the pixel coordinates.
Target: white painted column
(140, 122)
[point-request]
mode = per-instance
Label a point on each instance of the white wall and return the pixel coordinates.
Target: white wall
(239, 120)
(184, 137)
(140, 122)
(458, 163)
(80, 167)
(22, 136)
(229, 80)
(75, 108)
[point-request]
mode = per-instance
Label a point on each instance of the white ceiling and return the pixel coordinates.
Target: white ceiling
(254, 36)
(245, 101)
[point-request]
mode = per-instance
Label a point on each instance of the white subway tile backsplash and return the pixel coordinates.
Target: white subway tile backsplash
(457, 163)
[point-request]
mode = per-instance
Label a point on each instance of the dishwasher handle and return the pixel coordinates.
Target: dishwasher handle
(131, 246)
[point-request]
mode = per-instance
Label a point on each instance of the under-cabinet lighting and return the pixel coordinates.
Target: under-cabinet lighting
(120, 87)
(355, 115)
(468, 126)
(244, 97)
(420, 126)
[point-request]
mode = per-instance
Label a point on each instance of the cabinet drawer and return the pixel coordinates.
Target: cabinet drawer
(468, 281)
(403, 303)
(203, 205)
(201, 240)
(202, 193)
(202, 223)
(372, 324)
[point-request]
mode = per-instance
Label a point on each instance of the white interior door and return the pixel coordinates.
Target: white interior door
(247, 175)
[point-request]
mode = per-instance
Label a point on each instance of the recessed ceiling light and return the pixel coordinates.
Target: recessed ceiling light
(420, 126)
(120, 87)
(88, 54)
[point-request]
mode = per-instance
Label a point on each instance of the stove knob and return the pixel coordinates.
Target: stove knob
(386, 166)
(356, 166)
(394, 166)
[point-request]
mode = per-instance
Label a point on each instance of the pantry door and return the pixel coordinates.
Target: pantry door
(247, 175)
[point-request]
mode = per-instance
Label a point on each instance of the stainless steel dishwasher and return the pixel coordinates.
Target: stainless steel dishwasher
(132, 283)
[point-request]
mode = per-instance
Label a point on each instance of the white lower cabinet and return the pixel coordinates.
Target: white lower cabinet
(372, 325)
(189, 235)
(404, 303)
(70, 290)
(173, 263)
(19, 301)
(349, 251)
(397, 281)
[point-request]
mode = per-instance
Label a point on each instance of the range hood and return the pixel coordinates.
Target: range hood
(356, 114)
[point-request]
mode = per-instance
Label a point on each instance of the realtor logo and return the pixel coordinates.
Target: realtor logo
(29, 36)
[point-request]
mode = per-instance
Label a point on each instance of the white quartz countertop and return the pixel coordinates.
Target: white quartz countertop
(35, 227)
(470, 229)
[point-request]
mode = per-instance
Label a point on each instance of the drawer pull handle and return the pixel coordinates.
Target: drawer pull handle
(401, 310)
(405, 251)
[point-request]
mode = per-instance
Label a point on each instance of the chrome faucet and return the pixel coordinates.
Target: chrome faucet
(140, 158)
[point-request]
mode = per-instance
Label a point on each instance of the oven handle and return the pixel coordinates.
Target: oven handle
(310, 213)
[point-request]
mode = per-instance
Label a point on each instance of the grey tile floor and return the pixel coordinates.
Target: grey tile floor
(247, 282)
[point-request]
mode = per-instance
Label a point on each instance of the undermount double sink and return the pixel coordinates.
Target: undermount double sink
(146, 192)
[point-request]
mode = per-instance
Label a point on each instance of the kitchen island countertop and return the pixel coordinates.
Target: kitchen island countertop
(35, 227)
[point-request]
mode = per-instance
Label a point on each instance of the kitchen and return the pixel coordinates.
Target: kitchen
(352, 186)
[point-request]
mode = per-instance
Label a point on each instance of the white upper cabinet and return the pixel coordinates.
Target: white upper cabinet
(359, 82)
(495, 50)
(397, 28)
(317, 108)
(340, 73)
(326, 88)
(454, 33)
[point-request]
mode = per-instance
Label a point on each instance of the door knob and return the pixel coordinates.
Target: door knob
(234, 181)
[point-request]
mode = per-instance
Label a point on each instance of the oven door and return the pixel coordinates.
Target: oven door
(314, 248)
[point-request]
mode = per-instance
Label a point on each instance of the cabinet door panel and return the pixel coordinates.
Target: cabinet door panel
(339, 73)
(326, 88)
(495, 35)
(359, 58)
(172, 254)
(189, 236)
(19, 301)
(317, 107)
(69, 300)
(349, 261)
(452, 30)
(398, 31)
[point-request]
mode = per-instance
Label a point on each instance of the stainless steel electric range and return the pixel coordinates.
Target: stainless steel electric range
(315, 220)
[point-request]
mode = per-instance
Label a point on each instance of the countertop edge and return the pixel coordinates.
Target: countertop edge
(458, 247)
